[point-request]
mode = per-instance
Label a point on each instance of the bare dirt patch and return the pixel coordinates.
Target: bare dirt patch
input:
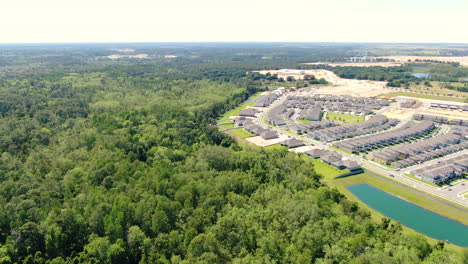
(259, 141)
(340, 85)
(463, 60)
(399, 113)
(360, 64)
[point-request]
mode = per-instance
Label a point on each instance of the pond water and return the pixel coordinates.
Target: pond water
(420, 75)
(411, 215)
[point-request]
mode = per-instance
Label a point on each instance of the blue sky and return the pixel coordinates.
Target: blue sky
(23, 21)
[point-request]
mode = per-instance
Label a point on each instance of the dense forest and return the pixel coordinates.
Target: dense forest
(117, 161)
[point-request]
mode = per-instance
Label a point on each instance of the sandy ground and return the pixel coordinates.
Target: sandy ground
(463, 60)
(340, 86)
(302, 149)
(399, 113)
(259, 141)
(361, 64)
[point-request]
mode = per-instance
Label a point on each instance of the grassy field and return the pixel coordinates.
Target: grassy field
(303, 121)
(424, 96)
(328, 172)
(235, 111)
(438, 88)
(275, 146)
(242, 133)
(344, 118)
(225, 126)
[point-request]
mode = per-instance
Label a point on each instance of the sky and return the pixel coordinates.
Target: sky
(404, 21)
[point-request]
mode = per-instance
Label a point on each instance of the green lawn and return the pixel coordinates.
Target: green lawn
(303, 121)
(424, 96)
(241, 133)
(275, 146)
(235, 111)
(225, 126)
(327, 171)
(344, 118)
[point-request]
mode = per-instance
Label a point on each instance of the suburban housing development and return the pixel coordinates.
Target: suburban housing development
(358, 132)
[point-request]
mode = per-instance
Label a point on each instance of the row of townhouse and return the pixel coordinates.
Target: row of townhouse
(444, 171)
(370, 130)
(248, 112)
(405, 151)
(356, 105)
(430, 155)
(373, 102)
(266, 100)
(370, 142)
(312, 114)
(277, 115)
(334, 159)
(410, 103)
(292, 143)
(301, 128)
(450, 106)
(437, 119)
(348, 130)
(441, 119)
(265, 133)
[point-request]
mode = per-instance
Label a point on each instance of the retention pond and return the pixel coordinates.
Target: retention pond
(411, 215)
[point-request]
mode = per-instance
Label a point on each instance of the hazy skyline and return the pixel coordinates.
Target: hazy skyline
(414, 21)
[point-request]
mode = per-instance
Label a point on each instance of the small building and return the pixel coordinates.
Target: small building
(314, 153)
(269, 135)
(292, 143)
(248, 112)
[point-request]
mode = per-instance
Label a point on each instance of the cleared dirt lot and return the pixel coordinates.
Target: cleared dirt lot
(361, 64)
(259, 141)
(399, 113)
(340, 86)
(463, 60)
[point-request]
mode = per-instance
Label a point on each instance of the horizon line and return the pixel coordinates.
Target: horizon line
(234, 42)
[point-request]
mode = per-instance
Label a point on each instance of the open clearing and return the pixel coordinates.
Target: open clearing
(436, 88)
(359, 64)
(463, 60)
(399, 113)
(240, 132)
(424, 96)
(259, 141)
(396, 61)
(340, 85)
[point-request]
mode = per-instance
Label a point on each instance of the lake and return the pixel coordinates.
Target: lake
(411, 215)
